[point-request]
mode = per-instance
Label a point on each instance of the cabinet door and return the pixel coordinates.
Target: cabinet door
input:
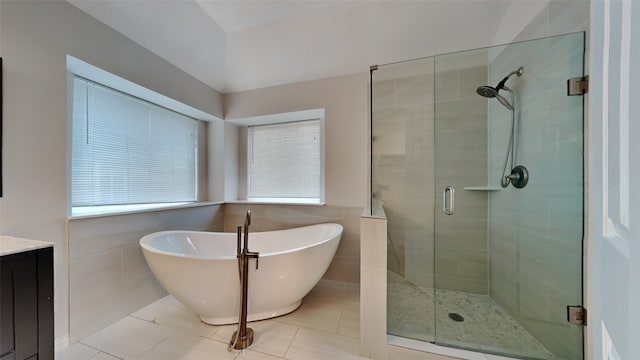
(7, 345)
(19, 305)
(45, 304)
(9, 356)
(25, 289)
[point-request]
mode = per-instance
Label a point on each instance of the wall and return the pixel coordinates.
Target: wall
(403, 160)
(429, 120)
(461, 161)
(35, 38)
(535, 233)
(346, 263)
(106, 262)
(344, 100)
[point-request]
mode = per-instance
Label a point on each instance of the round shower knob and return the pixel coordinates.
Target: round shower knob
(519, 176)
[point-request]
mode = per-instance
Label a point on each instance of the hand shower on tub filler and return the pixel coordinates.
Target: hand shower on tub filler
(243, 337)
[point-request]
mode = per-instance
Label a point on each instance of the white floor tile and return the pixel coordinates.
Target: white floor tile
(318, 345)
(272, 337)
(76, 352)
(254, 355)
(158, 308)
(170, 312)
(224, 332)
(103, 356)
(189, 347)
(129, 338)
(325, 327)
(350, 324)
(312, 317)
(331, 299)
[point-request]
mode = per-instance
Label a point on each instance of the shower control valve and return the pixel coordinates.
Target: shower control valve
(519, 177)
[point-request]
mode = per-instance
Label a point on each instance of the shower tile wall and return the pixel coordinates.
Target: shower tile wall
(461, 160)
(109, 277)
(535, 233)
(346, 263)
(403, 165)
(404, 159)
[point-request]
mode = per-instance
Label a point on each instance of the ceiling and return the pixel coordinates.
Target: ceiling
(240, 45)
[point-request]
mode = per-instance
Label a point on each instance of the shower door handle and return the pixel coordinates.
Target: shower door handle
(449, 200)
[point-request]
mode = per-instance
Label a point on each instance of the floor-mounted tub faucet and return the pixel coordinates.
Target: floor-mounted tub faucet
(243, 337)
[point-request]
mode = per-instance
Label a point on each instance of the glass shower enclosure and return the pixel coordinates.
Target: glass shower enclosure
(477, 161)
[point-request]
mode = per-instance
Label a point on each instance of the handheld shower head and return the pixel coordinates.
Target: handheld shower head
(504, 101)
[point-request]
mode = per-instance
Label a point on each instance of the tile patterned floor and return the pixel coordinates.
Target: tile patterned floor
(486, 325)
(326, 326)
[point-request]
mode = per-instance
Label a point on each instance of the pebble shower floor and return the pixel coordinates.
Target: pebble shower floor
(486, 325)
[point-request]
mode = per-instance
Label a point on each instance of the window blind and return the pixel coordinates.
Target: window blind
(129, 151)
(284, 160)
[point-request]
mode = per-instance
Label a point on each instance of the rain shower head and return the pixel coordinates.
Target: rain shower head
(487, 91)
(494, 92)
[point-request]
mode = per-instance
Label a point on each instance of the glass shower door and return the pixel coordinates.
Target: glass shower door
(508, 260)
(402, 184)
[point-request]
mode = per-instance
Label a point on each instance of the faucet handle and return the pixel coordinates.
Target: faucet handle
(254, 255)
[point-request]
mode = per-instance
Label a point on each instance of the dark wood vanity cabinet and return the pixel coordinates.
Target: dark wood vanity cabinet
(26, 305)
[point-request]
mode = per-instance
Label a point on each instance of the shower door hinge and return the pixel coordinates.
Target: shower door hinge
(577, 315)
(578, 85)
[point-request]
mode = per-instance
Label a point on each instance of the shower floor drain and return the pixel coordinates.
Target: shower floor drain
(456, 317)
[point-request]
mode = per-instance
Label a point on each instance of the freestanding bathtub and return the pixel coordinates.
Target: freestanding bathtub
(200, 269)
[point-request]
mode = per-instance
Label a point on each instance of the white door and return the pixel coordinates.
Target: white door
(613, 264)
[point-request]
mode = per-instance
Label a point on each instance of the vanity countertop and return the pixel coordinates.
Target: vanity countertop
(13, 245)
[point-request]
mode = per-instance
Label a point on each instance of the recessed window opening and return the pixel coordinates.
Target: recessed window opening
(127, 152)
(285, 162)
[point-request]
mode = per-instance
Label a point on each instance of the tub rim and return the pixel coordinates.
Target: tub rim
(146, 239)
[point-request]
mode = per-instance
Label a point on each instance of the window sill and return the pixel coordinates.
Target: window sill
(277, 202)
(122, 210)
(101, 211)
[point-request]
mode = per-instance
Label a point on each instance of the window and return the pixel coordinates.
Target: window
(127, 151)
(284, 162)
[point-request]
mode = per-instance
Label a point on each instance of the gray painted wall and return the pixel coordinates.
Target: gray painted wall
(35, 37)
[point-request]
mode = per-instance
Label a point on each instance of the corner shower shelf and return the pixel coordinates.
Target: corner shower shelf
(482, 188)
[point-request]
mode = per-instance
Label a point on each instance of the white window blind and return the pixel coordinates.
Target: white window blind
(129, 151)
(284, 161)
